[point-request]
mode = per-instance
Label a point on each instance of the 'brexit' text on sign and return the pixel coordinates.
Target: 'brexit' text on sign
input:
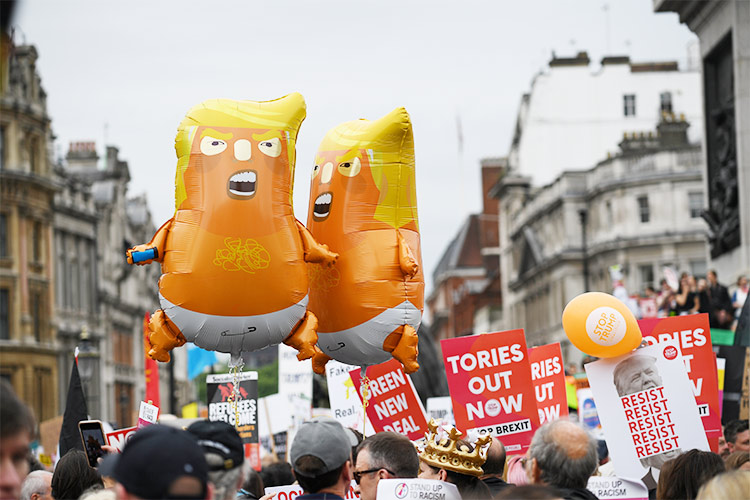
(489, 379)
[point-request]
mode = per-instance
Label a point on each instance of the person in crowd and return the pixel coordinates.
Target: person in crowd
(355, 438)
(16, 430)
(723, 450)
(277, 474)
(529, 492)
(704, 295)
(721, 303)
(493, 468)
(321, 458)
(665, 300)
(686, 299)
(73, 476)
(740, 295)
(730, 484)
(449, 458)
(563, 455)
(384, 455)
(159, 462)
(737, 435)
(252, 488)
(738, 460)
(225, 456)
(37, 486)
(517, 471)
(682, 477)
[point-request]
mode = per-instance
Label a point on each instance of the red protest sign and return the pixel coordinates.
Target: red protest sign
(549, 381)
(489, 379)
(118, 438)
(393, 404)
(693, 334)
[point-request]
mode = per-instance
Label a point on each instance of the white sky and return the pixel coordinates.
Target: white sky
(127, 71)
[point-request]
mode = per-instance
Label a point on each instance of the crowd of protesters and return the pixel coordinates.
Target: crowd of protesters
(692, 295)
(206, 461)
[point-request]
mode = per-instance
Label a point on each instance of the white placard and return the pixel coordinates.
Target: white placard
(441, 409)
(296, 382)
(408, 489)
(346, 406)
(647, 409)
(620, 488)
(273, 415)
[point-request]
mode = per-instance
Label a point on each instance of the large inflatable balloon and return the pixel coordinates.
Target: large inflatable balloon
(363, 205)
(233, 256)
(601, 325)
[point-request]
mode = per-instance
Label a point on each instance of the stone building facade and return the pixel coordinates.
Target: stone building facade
(640, 209)
(28, 348)
(723, 28)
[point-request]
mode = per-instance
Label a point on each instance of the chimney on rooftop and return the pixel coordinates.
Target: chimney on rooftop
(82, 155)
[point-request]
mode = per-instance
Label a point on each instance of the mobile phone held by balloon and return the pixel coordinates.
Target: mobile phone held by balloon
(92, 435)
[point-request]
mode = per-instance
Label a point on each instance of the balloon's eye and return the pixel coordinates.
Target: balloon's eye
(211, 146)
(350, 168)
(271, 147)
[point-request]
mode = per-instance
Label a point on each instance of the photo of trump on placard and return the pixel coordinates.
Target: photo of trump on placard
(635, 374)
(647, 408)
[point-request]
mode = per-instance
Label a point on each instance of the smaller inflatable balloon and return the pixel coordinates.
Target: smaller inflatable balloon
(601, 325)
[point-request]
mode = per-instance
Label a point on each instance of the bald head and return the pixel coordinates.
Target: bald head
(495, 463)
(564, 455)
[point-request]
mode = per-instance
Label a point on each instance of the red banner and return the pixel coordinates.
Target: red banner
(549, 381)
(694, 337)
(393, 404)
(118, 438)
(489, 379)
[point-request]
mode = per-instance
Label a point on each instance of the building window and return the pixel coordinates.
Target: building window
(628, 102)
(646, 272)
(4, 314)
(665, 100)
(36, 308)
(124, 404)
(695, 203)
(643, 208)
(36, 244)
(122, 348)
(3, 235)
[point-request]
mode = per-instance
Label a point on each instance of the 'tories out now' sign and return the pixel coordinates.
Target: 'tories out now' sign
(489, 379)
(549, 381)
(693, 335)
(393, 404)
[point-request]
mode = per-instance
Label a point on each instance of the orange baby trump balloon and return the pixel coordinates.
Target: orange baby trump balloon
(233, 257)
(363, 205)
(601, 325)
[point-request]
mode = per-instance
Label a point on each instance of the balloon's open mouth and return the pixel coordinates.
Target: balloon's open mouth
(242, 185)
(322, 206)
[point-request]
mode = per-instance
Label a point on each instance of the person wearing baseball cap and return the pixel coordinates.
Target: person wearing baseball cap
(159, 462)
(321, 459)
(224, 453)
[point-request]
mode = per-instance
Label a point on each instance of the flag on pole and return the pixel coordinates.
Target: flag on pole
(75, 411)
(151, 368)
(198, 359)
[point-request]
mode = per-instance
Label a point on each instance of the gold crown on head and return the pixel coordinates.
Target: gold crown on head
(446, 454)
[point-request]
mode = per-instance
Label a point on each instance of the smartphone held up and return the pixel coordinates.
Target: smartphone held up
(92, 435)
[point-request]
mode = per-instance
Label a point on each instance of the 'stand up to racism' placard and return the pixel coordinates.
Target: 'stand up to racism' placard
(549, 381)
(693, 334)
(393, 404)
(647, 409)
(490, 384)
